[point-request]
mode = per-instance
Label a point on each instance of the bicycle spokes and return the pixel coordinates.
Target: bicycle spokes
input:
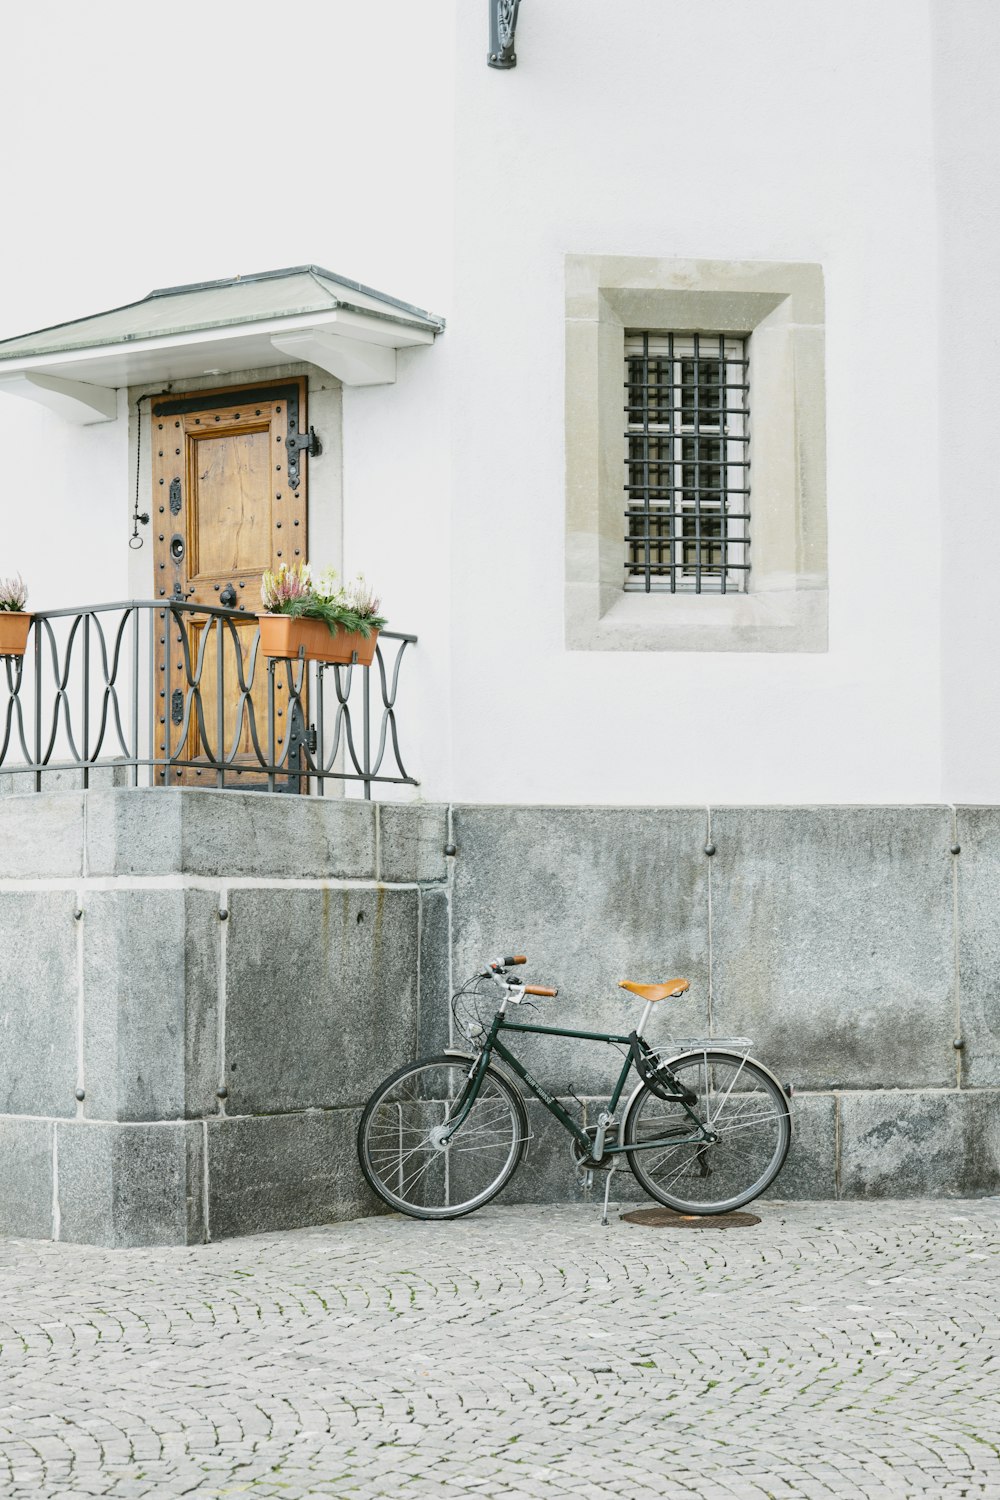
(427, 1151)
(746, 1112)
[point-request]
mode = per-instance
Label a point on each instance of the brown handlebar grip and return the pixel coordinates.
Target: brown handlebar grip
(518, 958)
(538, 989)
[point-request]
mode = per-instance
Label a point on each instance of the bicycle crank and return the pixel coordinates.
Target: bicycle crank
(583, 1161)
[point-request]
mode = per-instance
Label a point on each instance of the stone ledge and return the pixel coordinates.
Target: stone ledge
(199, 831)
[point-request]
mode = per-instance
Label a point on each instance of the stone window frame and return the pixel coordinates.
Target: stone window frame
(780, 305)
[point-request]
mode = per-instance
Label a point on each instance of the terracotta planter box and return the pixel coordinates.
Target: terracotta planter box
(282, 635)
(14, 627)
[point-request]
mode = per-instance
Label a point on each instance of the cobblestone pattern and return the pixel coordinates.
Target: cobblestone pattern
(833, 1350)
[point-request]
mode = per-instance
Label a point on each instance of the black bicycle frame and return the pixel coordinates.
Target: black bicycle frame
(493, 1044)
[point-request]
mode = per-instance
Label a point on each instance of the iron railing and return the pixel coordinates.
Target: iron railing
(180, 693)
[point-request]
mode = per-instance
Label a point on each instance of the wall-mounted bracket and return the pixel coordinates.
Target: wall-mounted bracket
(503, 24)
(75, 401)
(353, 361)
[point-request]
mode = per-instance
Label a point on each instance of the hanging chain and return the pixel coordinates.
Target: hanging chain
(135, 540)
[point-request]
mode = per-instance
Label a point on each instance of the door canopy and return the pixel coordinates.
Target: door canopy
(215, 328)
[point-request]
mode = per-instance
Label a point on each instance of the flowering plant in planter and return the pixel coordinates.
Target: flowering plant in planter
(331, 622)
(15, 622)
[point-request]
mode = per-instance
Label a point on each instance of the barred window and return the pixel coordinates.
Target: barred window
(688, 463)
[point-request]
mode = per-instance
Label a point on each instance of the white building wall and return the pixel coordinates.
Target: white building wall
(62, 503)
(771, 130)
(967, 49)
(211, 143)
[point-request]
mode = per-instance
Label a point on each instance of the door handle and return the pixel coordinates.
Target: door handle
(228, 596)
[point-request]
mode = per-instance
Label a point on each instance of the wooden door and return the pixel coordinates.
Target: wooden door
(229, 502)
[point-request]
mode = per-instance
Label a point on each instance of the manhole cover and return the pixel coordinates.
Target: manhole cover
(665, 1218)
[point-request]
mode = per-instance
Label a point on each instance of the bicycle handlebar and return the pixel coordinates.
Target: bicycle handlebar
(506, 963)
(496, 966)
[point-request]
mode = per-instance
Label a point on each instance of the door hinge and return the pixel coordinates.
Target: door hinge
(299, 442)
(299, 737)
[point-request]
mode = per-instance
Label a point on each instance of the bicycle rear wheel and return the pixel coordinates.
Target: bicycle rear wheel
(401, 1147)
(736, 1099)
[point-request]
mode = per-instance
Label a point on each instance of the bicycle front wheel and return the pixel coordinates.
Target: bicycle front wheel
(742, 1104)
(407, 1155)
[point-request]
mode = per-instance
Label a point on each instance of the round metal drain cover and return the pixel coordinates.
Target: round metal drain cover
(665, 1218)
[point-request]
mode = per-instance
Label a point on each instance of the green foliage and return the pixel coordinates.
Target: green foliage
(335, 614)
(291, 591)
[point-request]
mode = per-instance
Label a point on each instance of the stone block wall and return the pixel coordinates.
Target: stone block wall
(198, 992)
(199, 989)
(855, 945)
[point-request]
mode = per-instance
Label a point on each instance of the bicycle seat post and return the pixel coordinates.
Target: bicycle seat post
(641, 1028)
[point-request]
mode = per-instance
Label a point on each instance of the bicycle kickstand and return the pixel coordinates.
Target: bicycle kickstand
(607, 1190)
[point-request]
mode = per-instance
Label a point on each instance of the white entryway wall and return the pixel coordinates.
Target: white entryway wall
(854, 137)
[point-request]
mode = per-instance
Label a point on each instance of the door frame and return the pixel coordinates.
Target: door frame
(290, 390)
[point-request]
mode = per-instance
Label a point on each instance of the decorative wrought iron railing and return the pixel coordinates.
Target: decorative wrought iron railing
(176, 693)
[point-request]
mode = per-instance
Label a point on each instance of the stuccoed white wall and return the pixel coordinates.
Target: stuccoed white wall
(770, 130)
(162, 154)
(775, 130)
(217, 144)
(967, 45)
(397, 530)
(61, 505)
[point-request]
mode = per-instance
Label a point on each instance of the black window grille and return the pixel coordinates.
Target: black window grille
(687, 463)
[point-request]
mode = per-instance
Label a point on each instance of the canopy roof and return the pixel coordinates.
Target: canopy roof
(216, 327)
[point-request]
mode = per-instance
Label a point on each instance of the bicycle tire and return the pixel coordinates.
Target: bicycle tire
(739, 1100)
(416, 1175)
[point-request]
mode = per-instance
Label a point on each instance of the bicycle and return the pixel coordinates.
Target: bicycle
(705, 1131)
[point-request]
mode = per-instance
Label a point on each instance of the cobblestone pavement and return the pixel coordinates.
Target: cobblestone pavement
(835, 1349)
